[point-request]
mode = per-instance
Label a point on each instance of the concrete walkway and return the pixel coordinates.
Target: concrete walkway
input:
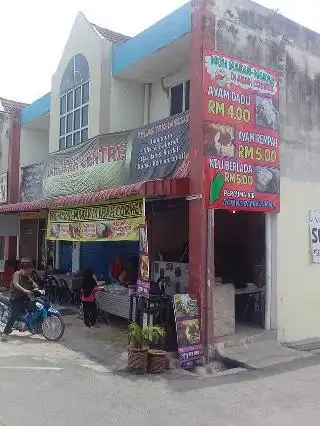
(109, 346)
(259, 355)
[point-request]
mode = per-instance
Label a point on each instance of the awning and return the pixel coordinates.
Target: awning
(154, 188)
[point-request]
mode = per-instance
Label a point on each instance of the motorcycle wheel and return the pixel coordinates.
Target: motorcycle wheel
(4, 315)
(53, 328)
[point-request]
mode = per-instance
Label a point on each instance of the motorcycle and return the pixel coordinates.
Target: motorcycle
(43, 318)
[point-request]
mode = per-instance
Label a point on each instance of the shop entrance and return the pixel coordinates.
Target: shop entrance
(240, 264)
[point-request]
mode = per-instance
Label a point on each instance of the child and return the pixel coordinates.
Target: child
(89, 288)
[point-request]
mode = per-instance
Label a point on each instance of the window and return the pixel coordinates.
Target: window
(179, 98)
(74, 103)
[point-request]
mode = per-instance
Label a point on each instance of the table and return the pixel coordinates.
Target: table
(253, 292)
(114, 304)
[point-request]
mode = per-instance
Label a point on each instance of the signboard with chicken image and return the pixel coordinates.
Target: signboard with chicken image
(241, 135)
(187, 316)
(143, 282)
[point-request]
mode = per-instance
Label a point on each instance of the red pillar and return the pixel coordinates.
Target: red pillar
(14, 173)
(200, 271)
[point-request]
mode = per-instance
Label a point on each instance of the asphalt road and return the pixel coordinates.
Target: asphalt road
(50, 384)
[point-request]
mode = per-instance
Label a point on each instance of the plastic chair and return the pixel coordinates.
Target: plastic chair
(53, 289)
(66, 293)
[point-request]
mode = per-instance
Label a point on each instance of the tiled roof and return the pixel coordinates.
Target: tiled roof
(6, 105)
(152, 188)
(116, 38)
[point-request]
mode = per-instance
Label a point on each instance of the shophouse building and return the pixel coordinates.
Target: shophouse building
(234, 184)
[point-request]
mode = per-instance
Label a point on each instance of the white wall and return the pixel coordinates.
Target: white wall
(298, 279)
(84, 40)
(115, 104)
(160, 98)
(126, 105)
(159, 103)
(4, 141)
(34, 146)
(105, 89)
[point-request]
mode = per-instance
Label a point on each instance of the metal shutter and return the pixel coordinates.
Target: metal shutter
(65, 255)
(98, 255)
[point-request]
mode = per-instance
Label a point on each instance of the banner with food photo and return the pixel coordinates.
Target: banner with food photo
(143, 283)
(114, 221)
(187, 316)
(157, 151)
(241, 135)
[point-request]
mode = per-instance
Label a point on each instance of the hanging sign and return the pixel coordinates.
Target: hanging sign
(114, 221)
(160, 150)
(143, 283)
(186, 311)
(314, 228)
(241, 135)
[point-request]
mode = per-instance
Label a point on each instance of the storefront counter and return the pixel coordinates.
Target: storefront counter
(114, 300)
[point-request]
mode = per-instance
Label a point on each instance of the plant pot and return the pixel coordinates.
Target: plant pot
(157, 361)
(138, 359)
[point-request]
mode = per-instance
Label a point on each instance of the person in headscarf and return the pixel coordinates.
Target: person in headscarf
(89, 288)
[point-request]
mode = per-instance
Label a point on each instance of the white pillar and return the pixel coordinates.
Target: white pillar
(271, 271)
(147, 94)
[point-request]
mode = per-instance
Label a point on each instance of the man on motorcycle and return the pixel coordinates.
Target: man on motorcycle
(20, 288)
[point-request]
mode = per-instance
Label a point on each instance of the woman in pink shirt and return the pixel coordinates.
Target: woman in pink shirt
(89, 288)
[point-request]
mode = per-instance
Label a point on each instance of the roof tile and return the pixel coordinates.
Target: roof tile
(112, 36)
(7, 105)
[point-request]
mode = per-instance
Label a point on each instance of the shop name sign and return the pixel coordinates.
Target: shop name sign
(112, 211)
(241, 135)
(101, 155)
(223, 70)
(114, 221)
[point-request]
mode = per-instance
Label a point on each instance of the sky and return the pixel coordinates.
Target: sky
(33, 33)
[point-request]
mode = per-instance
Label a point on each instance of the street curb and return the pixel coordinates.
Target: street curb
(221, 356)
(304, 345)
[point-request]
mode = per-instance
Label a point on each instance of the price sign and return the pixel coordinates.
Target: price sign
(241, 135)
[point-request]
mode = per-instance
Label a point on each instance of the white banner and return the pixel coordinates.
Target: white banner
(314, 227)
(3, 187)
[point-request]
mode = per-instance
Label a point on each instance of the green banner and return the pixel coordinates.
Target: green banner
(157, 151)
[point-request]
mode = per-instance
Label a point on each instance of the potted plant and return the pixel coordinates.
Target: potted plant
(140, 338)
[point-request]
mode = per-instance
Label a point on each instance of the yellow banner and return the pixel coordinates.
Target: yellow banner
(115, 221)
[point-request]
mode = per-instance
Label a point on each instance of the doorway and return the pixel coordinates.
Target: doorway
(240, 262)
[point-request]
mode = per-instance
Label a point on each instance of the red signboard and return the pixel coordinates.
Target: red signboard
(241, 135)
